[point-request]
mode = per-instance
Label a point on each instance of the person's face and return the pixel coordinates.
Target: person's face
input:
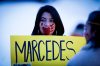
(47, 25)
(87, 32)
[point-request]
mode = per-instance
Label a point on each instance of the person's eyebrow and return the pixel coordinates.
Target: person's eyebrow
(43, 18)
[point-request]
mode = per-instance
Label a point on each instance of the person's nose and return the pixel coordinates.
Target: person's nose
(47, 24)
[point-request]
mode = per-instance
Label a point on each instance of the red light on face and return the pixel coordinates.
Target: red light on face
(46, 30)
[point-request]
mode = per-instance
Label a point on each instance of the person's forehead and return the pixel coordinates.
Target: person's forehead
(46, 14)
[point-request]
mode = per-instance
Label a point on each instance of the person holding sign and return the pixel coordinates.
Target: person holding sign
(90, 53)
(48, 22)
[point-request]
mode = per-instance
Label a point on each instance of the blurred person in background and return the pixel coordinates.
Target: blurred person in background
(90, 53)
(78, 31)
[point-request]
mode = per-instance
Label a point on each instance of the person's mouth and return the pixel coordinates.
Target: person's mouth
(46, 30)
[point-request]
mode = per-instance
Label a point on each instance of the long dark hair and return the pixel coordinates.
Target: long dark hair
(94, 22)
(59, 30)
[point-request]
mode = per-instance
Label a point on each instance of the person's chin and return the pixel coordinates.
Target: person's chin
(87, 40)
(46, 33)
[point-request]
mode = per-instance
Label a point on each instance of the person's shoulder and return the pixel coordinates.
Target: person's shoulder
(87, 47)
(76, 60)
(87, 55)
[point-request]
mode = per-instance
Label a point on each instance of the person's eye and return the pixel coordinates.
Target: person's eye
(51, 20)
(43, 20)
(85, 28)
